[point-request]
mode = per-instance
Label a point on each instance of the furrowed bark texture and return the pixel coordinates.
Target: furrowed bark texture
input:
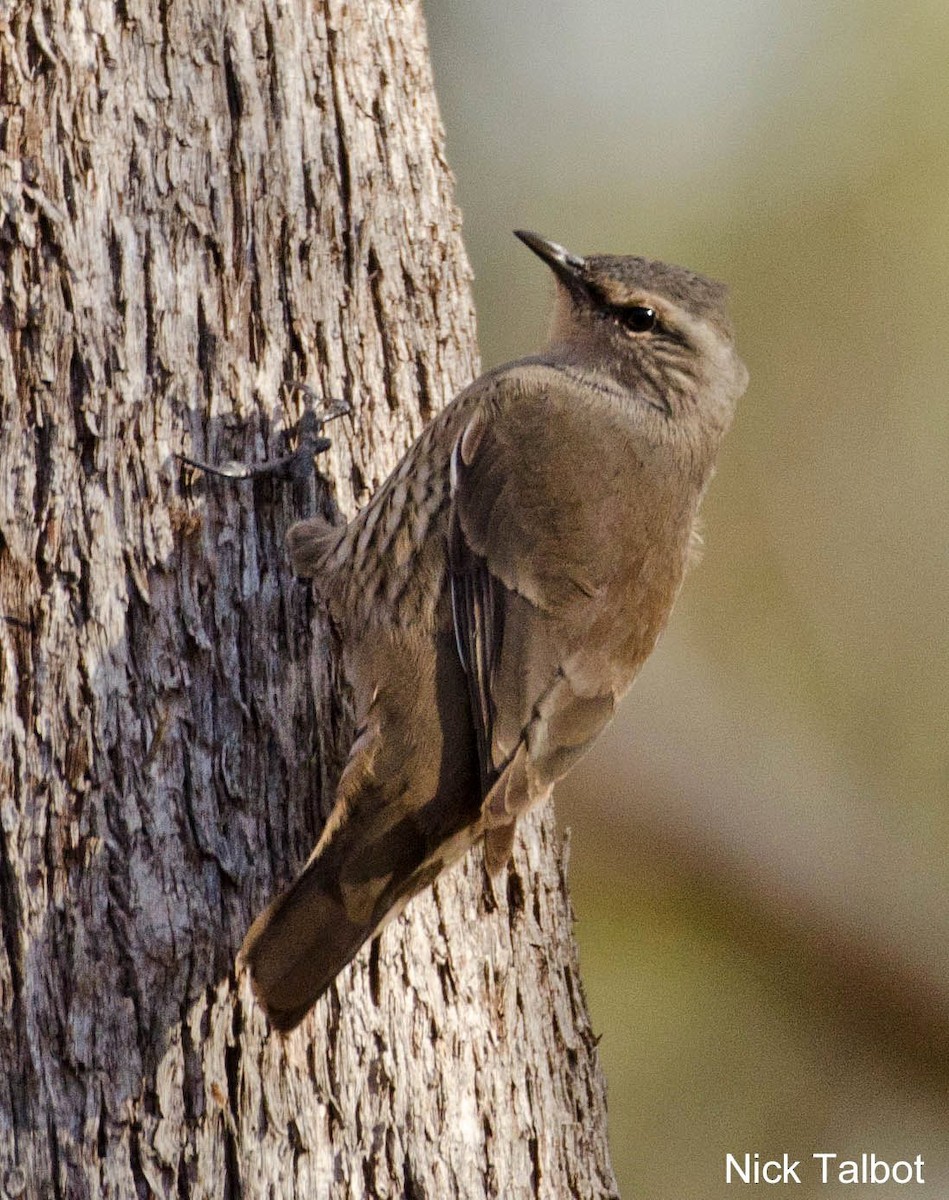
(202, 202)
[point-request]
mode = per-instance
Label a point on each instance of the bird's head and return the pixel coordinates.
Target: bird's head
(660, 331)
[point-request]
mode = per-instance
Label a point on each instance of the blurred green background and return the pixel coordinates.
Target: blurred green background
(758, 849)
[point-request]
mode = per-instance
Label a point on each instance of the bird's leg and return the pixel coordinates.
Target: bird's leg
(299, 463)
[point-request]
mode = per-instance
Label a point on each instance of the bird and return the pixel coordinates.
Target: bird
(499, 593)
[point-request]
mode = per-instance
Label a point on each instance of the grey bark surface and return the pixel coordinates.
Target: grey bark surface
(202, 202)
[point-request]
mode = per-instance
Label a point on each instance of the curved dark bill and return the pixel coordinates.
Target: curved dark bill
(569, 267)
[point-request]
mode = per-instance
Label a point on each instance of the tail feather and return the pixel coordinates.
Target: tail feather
(297, 947)
(361, 874)
(406, 806)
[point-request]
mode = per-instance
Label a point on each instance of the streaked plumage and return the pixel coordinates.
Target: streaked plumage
(499, 593)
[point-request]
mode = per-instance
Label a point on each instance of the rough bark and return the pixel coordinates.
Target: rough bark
(204, 201)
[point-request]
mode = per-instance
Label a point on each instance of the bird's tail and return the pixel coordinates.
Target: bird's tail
(362, 874)
(381, 846)
(299, 944)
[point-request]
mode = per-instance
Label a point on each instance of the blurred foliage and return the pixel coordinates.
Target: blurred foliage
(799, 151)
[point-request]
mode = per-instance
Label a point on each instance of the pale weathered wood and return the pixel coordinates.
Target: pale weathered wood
(202, 202)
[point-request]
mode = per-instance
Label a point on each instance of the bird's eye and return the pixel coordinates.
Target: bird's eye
(639, 318)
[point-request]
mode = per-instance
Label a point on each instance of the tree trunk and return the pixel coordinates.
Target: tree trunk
(204, 201)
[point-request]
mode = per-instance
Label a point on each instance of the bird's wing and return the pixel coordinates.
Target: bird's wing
(529, 564)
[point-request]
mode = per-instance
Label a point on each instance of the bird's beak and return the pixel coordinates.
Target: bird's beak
(570, 268)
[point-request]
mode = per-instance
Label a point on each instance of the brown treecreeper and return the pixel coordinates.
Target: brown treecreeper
(499, 594)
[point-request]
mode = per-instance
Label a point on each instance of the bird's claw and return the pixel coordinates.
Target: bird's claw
(299, 462)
